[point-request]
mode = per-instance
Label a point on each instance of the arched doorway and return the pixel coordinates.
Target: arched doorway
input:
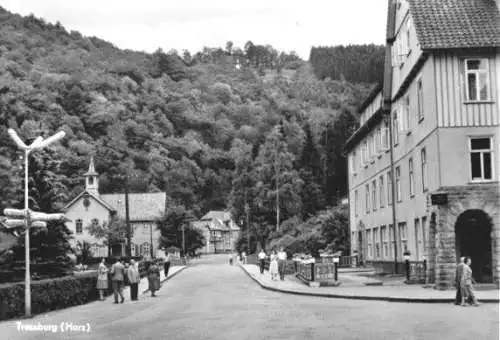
(473, 238)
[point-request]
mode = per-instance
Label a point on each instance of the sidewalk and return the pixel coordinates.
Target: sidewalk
(143, 285)
(406, 293)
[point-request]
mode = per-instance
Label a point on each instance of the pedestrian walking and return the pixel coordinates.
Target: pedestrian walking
(262, 260)
(102, 278)
(166, 265)
(273, 267)
(153, 278)
(231, 259)
(244, 257)
(468, 293)
(282, 263)
(117, 277)
(458, 281)
(133, 278)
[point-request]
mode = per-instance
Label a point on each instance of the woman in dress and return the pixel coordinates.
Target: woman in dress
(273, 267)
(153, 278)
(102, 278)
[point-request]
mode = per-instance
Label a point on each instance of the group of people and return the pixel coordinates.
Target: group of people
(463, 278)
(277, 264)
(127, 273)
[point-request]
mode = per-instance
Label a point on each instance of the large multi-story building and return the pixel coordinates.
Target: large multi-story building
(423, 166)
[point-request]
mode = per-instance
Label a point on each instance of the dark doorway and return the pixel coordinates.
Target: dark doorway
(473, 238)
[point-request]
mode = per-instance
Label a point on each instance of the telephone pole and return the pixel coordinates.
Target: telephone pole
(127, 219)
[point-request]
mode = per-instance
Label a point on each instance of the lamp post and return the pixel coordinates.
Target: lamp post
(39, 219)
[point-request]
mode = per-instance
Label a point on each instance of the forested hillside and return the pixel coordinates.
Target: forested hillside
(354, 63)
(211, 135)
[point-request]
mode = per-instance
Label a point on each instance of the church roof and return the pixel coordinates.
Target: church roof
(142, 207)
(97, 198)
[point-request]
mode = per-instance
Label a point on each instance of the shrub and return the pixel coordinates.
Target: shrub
(49, 294)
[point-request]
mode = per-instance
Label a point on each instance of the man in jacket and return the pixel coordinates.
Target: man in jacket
(458, 280)
(282, 263)
(117, 277)
(468, 293)
(262, 260)
(166, 265)
(133, 278)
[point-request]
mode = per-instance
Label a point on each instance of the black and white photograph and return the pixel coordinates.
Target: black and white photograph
(266, 169)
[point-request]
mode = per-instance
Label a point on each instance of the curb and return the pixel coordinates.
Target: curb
(359, 297)
(167, 278)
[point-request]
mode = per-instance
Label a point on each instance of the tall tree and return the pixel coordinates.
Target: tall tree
(171, 226)
(279, 185)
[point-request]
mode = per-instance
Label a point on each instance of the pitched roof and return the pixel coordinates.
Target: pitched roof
(143, 207)
(444, 24)
(221, 215)
(97, 198)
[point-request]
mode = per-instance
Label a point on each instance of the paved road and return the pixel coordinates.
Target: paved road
(212, 300)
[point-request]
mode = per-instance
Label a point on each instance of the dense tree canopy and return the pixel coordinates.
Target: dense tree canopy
(210, 134)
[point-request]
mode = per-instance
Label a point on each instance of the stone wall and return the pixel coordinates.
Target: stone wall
(442, 248)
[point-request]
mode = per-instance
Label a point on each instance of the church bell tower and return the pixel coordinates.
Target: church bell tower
(91, 179)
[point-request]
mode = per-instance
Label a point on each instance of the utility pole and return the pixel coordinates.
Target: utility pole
(127, 219)
(183, 239)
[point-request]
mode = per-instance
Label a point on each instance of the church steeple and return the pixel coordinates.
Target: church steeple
(91, 179)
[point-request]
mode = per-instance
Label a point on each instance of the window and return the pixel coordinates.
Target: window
(385, 136)
(79, 226)
(145, 229)
(95, 249)
(367, 188)
(389, 188)
(356, 202)
(385, 250)
(398, 184)
(365, 152)
(395, 128)
(146, 249)
(374, 195)
(408, 120)
(370, 244)
(374, 146)
(376, 242)
(420, 100)
(91, 180)
(133, 249)
(418, 240)
(481, 163)
(381, 189)
(379, 139)
(408, 38)
(411, 177)
(353, 163)
(476, 77)
(392, 240)
(424, 235)
(403, 237)
(423, 160)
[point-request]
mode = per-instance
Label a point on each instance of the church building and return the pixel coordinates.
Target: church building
(90, 207)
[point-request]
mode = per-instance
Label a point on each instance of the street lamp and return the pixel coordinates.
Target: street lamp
(30, 218)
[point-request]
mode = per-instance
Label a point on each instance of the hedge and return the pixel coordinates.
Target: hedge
(48, 294)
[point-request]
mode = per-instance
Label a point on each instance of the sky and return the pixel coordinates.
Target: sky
(192, 24)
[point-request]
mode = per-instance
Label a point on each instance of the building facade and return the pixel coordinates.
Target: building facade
(90, 207)
(437, 113)
(220, 231)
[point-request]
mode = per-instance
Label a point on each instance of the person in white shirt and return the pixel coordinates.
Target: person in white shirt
(262, 260)
(282, 263)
